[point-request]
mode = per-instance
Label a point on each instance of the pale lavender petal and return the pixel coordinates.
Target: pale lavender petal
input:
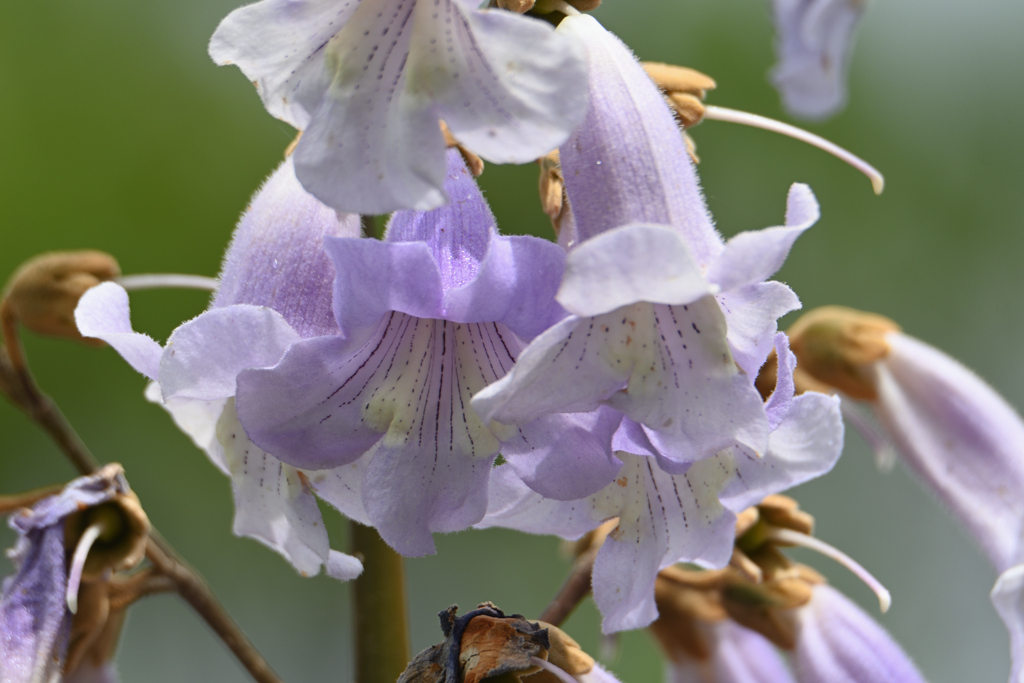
(412, 490)
(405, 392)
(565, 457)
(778, 404)
(376, 277)
(198, 419)
(515, 285)
(511, 504)
(279, 45)
(370, 145)
(814, 41)
(342, 567)
(509, 87)
(558, 372)
(457, 234)
(960, 437)
(805, 445)
(272, 504)
(685, 388)
(738, 655)
(752, 257)
(598, 674)
(1008, 599)
(663, 519)
(627, 162)
(205, 355)
(277, 258)
(629, 264)
(751, 315)
(342, 487)
(103, 313)
(838, 643)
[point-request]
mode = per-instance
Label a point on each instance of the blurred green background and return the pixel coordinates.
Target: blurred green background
(118, 133)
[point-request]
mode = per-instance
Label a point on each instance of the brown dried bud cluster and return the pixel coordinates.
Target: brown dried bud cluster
(486, 644)
(43, 293)
(837, 347)
(475, 163)
(684, 88)
(759, 589)
(122, 543)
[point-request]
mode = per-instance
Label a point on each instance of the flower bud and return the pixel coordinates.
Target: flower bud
(837, 346)
(45, 290)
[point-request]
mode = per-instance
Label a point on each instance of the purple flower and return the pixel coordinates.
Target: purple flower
(367, 82)
(274, 290)
(814, 39)
(666, 517)
(838, 643)
(426, 319)
(35, 618)
(960, 437)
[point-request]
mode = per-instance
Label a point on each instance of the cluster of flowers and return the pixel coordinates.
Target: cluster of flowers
(448, 377)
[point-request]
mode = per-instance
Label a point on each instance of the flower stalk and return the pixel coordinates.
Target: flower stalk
(380, 618)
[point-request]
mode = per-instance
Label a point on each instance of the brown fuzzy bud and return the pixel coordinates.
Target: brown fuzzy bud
(837, 346)
(43, 293)
(585, 5)
(552, 189)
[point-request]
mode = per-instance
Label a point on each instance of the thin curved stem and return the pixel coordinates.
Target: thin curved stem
(167, 281)
(733, 116)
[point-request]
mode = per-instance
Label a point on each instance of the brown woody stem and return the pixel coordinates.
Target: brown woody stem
(381, 624)
(572, 592)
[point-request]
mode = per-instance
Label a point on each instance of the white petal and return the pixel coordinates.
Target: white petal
(630, 264)
(103, 313)
(509, 87)
(343, 567)
(198, 419)
(204, 356)
(751, 315)
(272, 503)
(280, 45)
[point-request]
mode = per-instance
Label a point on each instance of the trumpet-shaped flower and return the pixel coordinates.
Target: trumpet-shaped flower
(367, 81)
(814, 39)
(669, 323)
(673, 516)
(737, 655)
(427, 318)
(275, 289)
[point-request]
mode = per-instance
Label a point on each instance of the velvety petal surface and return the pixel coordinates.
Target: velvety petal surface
(103, 313)
(198, 419)
(627, 162)
(838, 643)
(814, 41)
(277, 258)
(1008, 599)
(960, 437)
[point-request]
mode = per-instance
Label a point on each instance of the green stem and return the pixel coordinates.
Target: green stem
(381, 624)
